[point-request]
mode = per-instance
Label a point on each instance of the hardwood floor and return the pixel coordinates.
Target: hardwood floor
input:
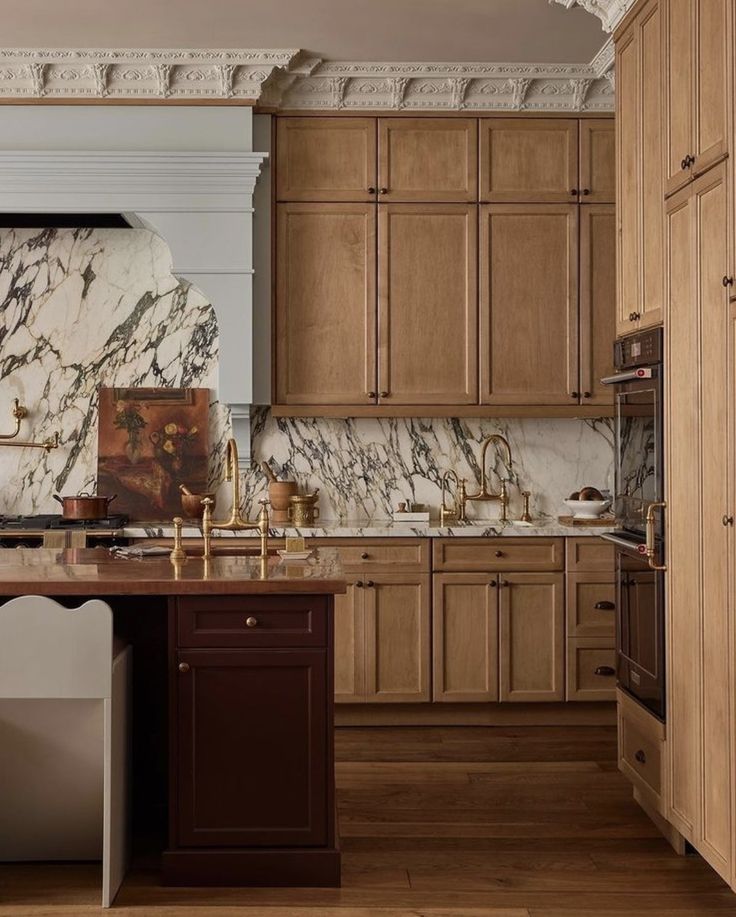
(447, 822)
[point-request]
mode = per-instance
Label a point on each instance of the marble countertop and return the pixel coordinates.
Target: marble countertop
(386, 528)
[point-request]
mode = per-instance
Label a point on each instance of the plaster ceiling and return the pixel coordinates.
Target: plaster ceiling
(357, 30)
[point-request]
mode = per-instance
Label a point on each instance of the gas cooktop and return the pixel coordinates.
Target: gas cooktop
(57, 521)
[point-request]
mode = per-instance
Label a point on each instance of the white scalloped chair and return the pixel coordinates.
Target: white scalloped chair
(64, 740)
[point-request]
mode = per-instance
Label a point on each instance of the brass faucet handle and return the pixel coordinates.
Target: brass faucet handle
(178, 554)
(20, 412)
(526, 515)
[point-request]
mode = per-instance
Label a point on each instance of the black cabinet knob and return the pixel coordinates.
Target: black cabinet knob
(493, 583)
(587, 395)
(574, 394)
(586, 191)
(727, 281)
(371, 191)
(574, 192)
(640, 757)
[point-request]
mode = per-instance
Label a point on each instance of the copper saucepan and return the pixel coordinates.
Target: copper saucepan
(84, 506)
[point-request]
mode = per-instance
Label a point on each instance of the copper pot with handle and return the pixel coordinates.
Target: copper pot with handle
(84, 507)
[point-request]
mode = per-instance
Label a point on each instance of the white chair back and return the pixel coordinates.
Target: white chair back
(49, 651)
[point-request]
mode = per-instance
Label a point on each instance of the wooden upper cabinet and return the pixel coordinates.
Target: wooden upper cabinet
(532, 636)
(640, 223)
(326, 159)
(597, 301)
(698, 43)
(428, 159)
(325, 304)
(597, 161)
(528, 159)
(427, 318)
(529, 304)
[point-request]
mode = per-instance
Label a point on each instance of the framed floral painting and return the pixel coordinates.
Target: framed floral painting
(150, 441)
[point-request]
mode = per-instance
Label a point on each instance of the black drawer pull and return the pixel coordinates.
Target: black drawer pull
(606, 670)
(604, 606)
(640, 757)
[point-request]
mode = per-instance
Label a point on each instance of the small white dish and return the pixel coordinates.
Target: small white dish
(294, 555)
(587, 509)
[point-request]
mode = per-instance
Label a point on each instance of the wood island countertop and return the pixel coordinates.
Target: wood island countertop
(95, 571)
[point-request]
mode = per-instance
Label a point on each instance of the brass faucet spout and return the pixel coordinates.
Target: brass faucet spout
(484, 495)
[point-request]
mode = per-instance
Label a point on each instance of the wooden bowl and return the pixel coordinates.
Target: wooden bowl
(191, 504)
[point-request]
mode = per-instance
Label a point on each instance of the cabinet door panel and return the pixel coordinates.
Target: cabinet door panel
(465, 628)
(350, 647)
(529, 304)
(530, 159)
(252, 733)
(325, 303)
(711, 220)
(628, 111)
(597, 161)
(679, 89)
(428, 304)
(683, 511)
(597, 301)
(532, 636)
(397, 614)
(428, 159)
(326, 159)
(710, 116)
(650, 303)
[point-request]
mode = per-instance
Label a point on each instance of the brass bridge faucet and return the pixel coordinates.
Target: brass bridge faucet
(457, 513)
(235, 523)
(484, 495)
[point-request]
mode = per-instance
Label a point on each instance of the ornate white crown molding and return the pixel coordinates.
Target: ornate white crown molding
(288, 79)
(610, 12)
(139, 73)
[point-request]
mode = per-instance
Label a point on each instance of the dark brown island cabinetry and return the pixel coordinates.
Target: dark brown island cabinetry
(251, 783)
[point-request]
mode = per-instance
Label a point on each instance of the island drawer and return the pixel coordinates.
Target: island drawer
(471, 555)
(641, 740)
(591, 605)
(388, 555)
(591, 669)
(251, 621)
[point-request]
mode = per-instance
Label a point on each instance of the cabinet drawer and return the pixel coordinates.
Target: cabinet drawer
(591, 670)
(640, 749)
(390, 555)
(470, 555)
(590, 553)
(591, 605)
(257, 621)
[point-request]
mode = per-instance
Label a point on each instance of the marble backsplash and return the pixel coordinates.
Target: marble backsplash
(88, 307)
(364, 466)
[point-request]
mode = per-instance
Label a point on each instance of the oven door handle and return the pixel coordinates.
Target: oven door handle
(651, 551)
(631, 376)
(632, 547)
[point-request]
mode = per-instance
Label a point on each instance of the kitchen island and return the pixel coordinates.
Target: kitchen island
(249, 658)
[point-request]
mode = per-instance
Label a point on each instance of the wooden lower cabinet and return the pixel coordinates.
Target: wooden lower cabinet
(531, 636)
(397, 625)
(350, 647)
(251, 733)
(465, 635)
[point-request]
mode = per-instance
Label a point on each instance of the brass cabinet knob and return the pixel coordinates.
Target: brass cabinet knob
(365, 555)
(251, 622)
(184, 667)
(371, 394)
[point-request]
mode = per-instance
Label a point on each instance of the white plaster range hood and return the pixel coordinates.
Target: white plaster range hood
(189, 175)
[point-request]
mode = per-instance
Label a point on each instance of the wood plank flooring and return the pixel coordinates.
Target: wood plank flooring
(447, 822)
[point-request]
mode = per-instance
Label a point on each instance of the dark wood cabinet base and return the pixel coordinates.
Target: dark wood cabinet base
(285, 866)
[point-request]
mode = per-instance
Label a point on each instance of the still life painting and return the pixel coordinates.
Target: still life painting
(151, 440)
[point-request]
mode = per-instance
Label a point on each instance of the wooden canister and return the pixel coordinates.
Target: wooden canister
(279, 493)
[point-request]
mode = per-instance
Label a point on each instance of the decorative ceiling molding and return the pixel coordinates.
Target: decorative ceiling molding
(444, 87)
(610, 12)
(138, 73)
(289, 79)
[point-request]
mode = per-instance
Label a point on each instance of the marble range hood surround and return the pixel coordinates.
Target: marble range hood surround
(199, 202)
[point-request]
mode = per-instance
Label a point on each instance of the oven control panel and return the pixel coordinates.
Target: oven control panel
(641, 349)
